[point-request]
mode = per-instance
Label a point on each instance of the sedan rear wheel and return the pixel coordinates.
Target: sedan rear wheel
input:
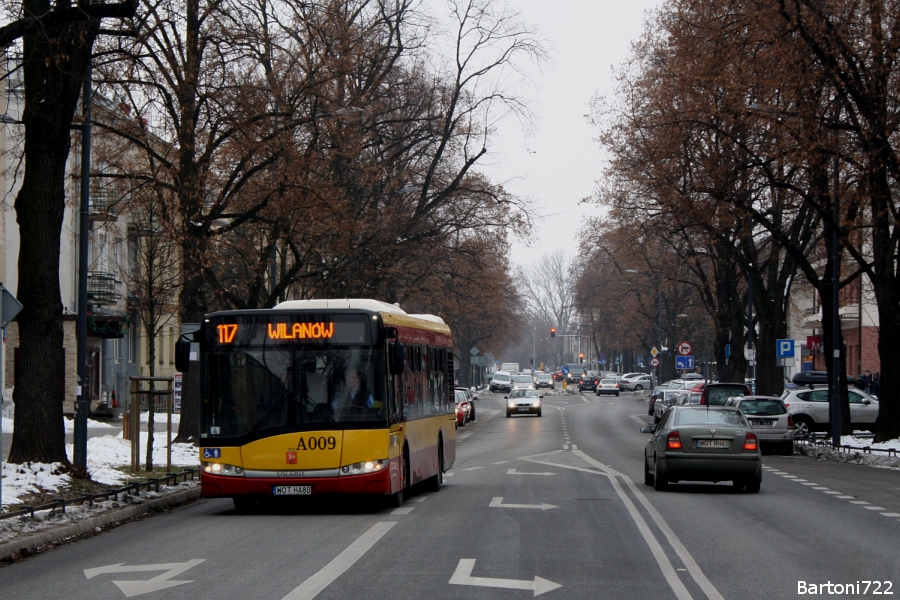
(660, 483)
(648, 476)
(638, 388)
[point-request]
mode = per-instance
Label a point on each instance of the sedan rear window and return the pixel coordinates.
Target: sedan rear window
(701, 416)
(522, 379)
(719, 395)
(763, 407)
(523, 394)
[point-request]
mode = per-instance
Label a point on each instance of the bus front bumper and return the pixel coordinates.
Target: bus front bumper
(223, 486)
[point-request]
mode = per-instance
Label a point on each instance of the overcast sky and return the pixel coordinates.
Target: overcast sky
(558, 163)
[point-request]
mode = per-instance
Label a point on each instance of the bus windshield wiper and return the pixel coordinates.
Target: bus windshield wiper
(318, 407)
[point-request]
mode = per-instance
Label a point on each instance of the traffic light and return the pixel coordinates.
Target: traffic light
(581, 357)
(553, 332)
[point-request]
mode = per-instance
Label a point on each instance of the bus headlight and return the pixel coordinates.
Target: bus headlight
(370, 466)
(222, 469)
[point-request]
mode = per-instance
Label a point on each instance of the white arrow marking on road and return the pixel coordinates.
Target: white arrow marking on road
(160, 582)
(463, 576)
(497, 502)
(514, 472)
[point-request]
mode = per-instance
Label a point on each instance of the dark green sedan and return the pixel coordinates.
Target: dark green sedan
(702, 443)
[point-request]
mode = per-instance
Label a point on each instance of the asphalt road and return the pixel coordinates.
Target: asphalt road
(553, 506)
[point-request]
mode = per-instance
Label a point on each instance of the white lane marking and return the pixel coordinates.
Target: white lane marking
(403, 510)
(810, 484)
(154, 584)
(874, 508)
(574, 447)
(472, 468)
(497, 502)
(693, 568)
(514, 472)
(502, 462)
(890, 514)
(463, 576)
(832, 492)
(820, 488)
(789, 476)
(418, 499)
(565, 446)
(800, 480)
(858, 502)
(311, 587)
(846, 497)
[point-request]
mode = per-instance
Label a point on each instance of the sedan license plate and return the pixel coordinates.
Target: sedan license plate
(291, 490)
(762, 423)
(524, 408)
(712, 444)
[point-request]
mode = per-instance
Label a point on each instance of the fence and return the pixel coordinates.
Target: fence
(152, 482)
(826, 443)
(145, 392)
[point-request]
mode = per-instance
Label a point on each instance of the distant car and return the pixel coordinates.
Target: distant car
(588, 381)
(694, 377)
(632, 375)
(575, 372)
(665, 399)
(637, 383)
(523, 401)
(500, 382)
(607, 386)
(522, 381)
(702, 443)
(810, 410)
(544, 380)
(687, 397)
(717, 394)
(462, 408)
(769, 418)
(471, 398)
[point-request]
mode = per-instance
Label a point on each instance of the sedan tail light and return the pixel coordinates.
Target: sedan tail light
(673, 442)
(750, 442)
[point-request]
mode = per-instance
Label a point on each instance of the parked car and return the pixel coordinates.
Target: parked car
(607, 385)
(693, 377)
(813, 378)
(688, 397)
(637, 383)
(632, 375)
(769, 418)
(462, 408)
(544, 380)
(523, 401)
(471, 398)
(522, 381)
(588, 381)
(653, 397)
(702, 443)
(500, 382)
(717, 394)
(810, 410)
(665, 399)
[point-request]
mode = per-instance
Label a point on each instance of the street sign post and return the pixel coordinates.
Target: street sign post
(684, 362)
(784, 348)
(684, 348)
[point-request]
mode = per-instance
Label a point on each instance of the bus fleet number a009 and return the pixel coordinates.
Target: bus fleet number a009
(317, 443)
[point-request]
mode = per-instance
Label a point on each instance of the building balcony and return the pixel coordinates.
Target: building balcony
(101, 288)
(101, 201)
(812, 311)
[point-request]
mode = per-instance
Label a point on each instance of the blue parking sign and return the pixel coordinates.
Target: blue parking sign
(784, 349)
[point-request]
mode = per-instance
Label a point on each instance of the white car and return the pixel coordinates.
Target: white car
(522, 382)
(637, 383)
(769, 419)
(810, 410)
(607, 385)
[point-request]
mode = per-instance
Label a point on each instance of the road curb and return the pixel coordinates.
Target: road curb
(49, 536)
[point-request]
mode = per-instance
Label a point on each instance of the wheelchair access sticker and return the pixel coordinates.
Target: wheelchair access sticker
(212, 453)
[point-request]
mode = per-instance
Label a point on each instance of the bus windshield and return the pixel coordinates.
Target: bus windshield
(256, 392)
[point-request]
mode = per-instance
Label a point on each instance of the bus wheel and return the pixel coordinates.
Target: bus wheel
(434, 483)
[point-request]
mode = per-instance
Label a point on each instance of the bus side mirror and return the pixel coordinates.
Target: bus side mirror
(396, 354)
(183, 354)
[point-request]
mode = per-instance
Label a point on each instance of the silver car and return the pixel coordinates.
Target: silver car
(809, 410)
(637, 383)
(702, 443)
(770, 420)
(522, 382)
(665, 399)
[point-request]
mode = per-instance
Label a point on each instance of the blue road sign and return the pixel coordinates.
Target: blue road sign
(684, 362)
(565, 370)
(784, 349)
(727, 351)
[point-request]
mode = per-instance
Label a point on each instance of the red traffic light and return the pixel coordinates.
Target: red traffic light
(553, 332)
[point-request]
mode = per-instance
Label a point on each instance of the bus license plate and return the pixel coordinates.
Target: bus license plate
(713, 444)
(291, 490)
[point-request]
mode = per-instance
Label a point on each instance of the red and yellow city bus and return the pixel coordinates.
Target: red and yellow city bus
(324, 396)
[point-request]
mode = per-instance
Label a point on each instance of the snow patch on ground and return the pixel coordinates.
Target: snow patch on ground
(859, 442)
(20, 480)
(877, 459)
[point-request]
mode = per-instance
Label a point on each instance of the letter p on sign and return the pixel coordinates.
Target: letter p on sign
(785, 349)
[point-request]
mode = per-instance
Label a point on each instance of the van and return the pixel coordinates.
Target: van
(501, 382)
(510, 367)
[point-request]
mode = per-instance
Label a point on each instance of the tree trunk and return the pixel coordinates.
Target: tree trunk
(193, 307)
(54, 65)
(151, 398)
(888, 352)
